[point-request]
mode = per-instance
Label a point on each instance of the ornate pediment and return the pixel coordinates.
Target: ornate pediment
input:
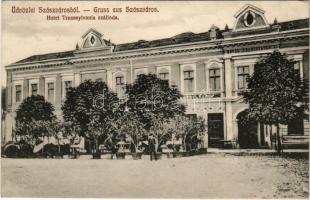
(250, 17)
(92, 38)
(94, 44)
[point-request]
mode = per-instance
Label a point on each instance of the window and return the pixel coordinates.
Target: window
(50, 92)
(119, 80)
(243, 73)
(297, 68)
(34, 89)
(67, 85)
(214, 79)
(119, 85)
(189, 81)
(18, 93)
(163, 73)
(249, 19)
(164, 76)
(139, 72)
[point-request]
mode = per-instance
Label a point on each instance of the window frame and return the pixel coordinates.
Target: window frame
(191, 78)
(32, 90)
(215, 63)
(48, 91)
(244, 75)
(214, 77)
(21, 93)
(66, 78)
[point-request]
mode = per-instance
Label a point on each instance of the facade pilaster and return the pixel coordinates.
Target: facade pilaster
(77, 79)
(228, 79)
(25, 88)
(230, 135)
(42, 86)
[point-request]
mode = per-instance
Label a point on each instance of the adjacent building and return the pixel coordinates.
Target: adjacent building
(209, 69)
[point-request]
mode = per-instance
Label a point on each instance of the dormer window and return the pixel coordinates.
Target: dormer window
(92, 40)
(249, 19)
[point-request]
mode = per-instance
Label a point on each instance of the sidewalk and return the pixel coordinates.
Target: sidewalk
(254, 151)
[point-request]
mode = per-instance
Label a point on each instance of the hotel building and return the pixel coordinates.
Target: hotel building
(209, 69)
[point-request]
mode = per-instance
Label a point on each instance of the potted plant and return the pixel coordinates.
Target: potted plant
(131, 130)
(161, 131)
(123, 148)
(96, 129)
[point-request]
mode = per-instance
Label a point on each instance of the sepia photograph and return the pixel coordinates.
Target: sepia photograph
(155, 99)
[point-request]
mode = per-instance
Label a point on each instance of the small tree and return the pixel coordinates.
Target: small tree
(128, 125)
(160, 130)
(90, 107)
(188, 129)
(150, 96)
(33, 118)
(276, 92)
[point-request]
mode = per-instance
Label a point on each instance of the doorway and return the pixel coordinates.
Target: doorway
(215, 129)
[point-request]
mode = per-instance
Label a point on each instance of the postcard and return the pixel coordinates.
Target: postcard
(155, 99)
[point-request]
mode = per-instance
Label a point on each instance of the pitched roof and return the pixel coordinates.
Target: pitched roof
(48, 56)
(294, 24)
(182, 38)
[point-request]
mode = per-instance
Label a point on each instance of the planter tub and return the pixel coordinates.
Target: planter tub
(202, 151)
(120, 155)
(74, 156)
(58, 156)
(169, 155)
(177, 154)
(97, 155)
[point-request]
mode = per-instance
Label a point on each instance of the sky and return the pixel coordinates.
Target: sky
(24, 35)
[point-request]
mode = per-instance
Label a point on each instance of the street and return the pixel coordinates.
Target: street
(204, 176)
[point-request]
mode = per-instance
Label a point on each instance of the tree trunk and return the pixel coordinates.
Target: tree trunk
(58, 146)
(97, 147)
(184, 144)
(279, 145)
(156, 144)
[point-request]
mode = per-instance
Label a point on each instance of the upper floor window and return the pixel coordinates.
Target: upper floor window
(243, 73)
(214, 79)
(297, 68)
(119, 80)
(189, 81)
(119, 84)
(139, 72)
(34, 89)
(164, 75)
(68, 84)
(18, 93)
(50, 92)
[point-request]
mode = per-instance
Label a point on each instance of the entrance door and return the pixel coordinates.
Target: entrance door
(215, 129)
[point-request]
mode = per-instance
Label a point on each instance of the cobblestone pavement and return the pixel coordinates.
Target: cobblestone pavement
(204, 176)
